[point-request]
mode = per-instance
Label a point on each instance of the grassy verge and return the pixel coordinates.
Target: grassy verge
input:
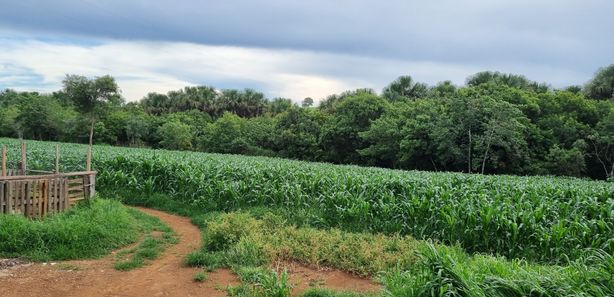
(88, 230)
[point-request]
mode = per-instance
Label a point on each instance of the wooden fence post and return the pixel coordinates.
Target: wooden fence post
(57, 159)
(92, 182)
(4, 173)
(23, 158)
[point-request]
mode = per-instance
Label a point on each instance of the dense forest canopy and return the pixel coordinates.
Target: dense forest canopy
(496, 123)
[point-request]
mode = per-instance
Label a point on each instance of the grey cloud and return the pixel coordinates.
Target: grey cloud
(573, 34)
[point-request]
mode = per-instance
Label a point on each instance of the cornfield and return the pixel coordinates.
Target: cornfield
(544, 219)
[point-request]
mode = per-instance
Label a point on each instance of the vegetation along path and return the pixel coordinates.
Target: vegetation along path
(165, 276)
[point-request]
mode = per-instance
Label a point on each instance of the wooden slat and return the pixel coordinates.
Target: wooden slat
(76, 197)
(26, 196)
(3, 203)
(39, 192)
(47, 176)
(56, 198)
(75, 188)
(9, 196)
(76, 181)
(22, 194)
(52, 189)
(65, 201)
(45, 192)
(61, 195)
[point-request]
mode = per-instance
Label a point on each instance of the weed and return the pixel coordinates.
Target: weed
(199, 276)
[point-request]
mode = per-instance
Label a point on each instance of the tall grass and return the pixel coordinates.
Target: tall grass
(406, 267)
(86, 231)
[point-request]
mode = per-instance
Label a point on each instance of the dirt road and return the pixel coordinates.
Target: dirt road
(166, 276)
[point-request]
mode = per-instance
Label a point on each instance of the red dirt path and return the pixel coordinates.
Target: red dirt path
(165, 276)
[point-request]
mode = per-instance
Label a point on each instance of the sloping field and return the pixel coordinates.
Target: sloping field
(543, 219)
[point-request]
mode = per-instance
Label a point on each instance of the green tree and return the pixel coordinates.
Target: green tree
(329, 104)
(9, 126)
(443, 89)
(279, 105)
(601, 144)
(307, 102)
(42, 117)
(137, 128)
(340, 138)
(296, 133)
(175, 136)
(91, 95)
(569, 162)
(429, 138)
(601, 86)
(404, 88)
(259, 134)
(502, 137)
(225, 135)
(511, 80)
(246, 103)
(384, 137)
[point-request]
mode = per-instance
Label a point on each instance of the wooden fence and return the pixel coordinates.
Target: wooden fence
(36, 193)
(39, 195)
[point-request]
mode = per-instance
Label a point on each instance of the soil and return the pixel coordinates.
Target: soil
(165, 276)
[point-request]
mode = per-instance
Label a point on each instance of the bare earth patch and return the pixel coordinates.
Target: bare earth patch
(165, 276)
(302, 277)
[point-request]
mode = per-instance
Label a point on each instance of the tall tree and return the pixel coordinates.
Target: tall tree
(508, 79)
(279, 105)
(296, 133)
(340, 135)
(601, 143)
(176, 136)
(404, 88)
(90, 95)
(307, 102)
(601, 86)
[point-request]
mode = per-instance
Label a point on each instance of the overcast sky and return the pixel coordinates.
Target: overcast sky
(298, 49)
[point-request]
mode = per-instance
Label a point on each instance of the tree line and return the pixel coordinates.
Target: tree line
(496, 123)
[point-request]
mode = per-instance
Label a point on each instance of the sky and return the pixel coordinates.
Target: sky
(298, 49)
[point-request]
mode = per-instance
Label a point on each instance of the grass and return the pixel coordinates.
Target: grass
(320, 292)
(259, 282)
(88, 230)
(159, 235)
(247, 241)
(200, 276)
(68, 267)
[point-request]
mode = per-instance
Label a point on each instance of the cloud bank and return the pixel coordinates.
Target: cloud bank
(298, 49)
